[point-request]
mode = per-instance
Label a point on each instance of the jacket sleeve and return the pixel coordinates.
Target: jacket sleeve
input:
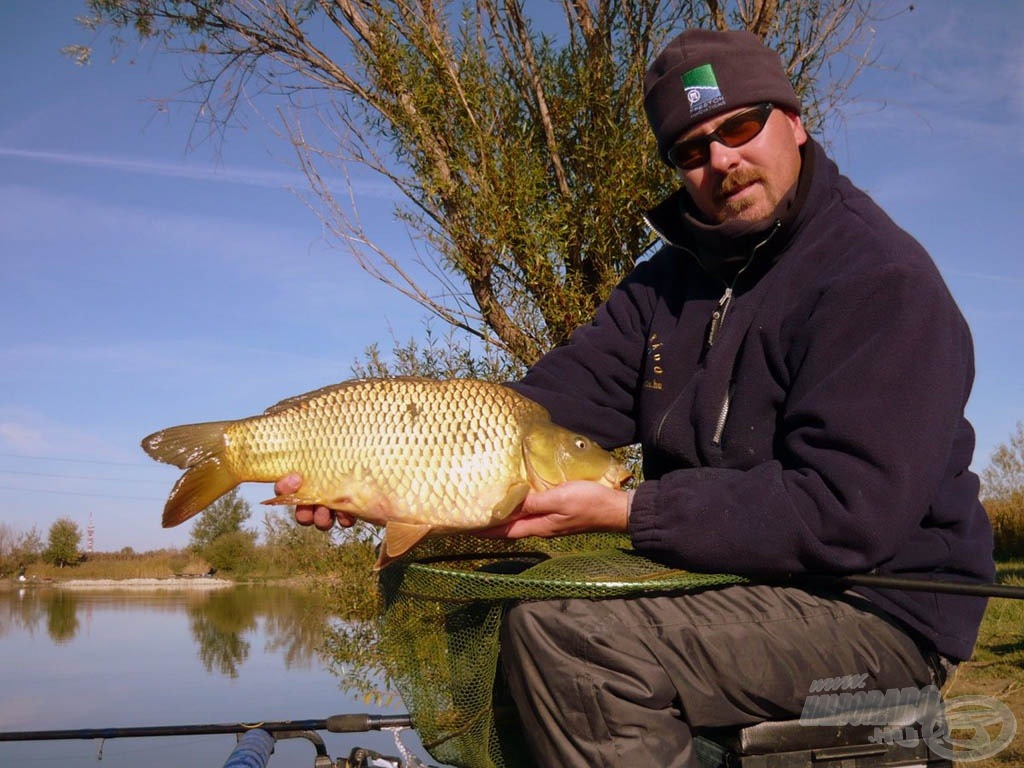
(870, 435)
(589, 384)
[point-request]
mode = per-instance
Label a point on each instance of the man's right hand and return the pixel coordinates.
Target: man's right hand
(309, 514)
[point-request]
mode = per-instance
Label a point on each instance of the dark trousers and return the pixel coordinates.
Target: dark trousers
(624, 682)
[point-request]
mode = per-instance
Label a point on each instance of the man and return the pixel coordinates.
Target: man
(796, 372)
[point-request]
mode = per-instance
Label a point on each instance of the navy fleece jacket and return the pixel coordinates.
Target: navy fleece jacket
(799, 396)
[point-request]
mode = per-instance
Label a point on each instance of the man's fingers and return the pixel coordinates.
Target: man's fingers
(304, 515)
(323, 518)
(288, 484)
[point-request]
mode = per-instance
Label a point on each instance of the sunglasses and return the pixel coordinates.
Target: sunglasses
(734, 132)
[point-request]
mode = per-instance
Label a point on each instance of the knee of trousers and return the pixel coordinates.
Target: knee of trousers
(553, 640)
(530, 630)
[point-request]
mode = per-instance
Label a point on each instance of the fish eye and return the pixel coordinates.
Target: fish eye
(581, 443)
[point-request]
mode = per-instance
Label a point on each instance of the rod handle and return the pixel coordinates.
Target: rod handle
(359, 723)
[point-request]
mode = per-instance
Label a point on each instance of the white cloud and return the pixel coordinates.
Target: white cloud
(21, 438)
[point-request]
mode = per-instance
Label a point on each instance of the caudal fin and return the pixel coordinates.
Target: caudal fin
(198, 449)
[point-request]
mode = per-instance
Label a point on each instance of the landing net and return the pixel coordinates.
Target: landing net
(442, 612)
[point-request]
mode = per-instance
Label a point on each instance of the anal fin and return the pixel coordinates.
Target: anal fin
(399, 538)
(342, 504)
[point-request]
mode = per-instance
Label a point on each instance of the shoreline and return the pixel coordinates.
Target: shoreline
(171, 582)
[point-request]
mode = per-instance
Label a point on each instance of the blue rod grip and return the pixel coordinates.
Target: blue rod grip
(252, 751)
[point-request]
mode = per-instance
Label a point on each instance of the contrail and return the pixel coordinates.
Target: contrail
(249, 177)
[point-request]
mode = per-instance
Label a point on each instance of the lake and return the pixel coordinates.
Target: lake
(99, 658)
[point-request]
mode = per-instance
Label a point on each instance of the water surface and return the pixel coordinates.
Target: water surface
(94, 659)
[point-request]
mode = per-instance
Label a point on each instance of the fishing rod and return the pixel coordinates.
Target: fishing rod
(883, 581)
(354, 723)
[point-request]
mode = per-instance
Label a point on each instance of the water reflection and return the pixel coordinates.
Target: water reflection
(62, 618)
(222, 622)
(218, 627)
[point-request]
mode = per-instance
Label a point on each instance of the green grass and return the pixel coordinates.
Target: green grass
(997, 667)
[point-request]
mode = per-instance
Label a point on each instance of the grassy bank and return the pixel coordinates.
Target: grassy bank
(159, 564)
(997, 667)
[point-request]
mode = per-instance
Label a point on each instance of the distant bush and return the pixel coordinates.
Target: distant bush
(233, 552)
(1007, 517)
(1002, 492)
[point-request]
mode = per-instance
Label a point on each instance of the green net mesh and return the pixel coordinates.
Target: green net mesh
(442, 612)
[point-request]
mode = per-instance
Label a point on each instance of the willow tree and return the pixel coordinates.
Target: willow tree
(513, 133)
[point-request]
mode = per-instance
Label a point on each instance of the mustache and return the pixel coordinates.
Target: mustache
(737, 180)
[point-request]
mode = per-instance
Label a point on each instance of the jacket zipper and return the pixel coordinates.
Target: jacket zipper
(723, 414)
(717, 319)
(718, 316)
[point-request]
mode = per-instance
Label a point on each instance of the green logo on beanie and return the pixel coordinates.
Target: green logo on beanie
(702, 91)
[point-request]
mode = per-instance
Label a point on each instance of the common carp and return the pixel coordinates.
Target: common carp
(417, 456)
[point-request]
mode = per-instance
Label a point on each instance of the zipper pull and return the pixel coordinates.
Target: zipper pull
(718, 316)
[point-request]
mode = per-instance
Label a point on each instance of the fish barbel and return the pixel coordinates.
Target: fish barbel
(417, 456)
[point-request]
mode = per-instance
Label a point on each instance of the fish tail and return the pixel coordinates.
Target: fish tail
(198, 449)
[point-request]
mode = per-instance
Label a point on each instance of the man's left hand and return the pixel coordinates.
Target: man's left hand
(579, 506)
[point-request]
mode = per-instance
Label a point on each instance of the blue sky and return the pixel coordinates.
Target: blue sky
(149, 284)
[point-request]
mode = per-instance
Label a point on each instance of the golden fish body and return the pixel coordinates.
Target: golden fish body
(418, 456)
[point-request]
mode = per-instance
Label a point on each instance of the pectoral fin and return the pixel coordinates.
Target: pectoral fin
(399, 538)
(512, 499)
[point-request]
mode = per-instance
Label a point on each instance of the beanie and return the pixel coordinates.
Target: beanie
(702, 73)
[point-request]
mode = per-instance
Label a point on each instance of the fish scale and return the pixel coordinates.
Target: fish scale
(419, 456)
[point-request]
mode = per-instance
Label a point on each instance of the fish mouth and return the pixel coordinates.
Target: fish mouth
(616, 476)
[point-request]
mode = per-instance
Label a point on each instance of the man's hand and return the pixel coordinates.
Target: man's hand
(320, 516)
(579, 506)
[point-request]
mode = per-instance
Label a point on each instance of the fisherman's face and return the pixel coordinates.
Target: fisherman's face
(752, 182)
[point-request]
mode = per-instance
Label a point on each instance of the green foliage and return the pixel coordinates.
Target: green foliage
(18, 550)
(233, 552)
(226, 515)
(62, 543)
(1007, 518)
(292, 548)
(343, 558)
(1002, 489)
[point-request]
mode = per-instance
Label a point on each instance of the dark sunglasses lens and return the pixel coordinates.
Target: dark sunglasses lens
(742, 128)
(689, 154)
